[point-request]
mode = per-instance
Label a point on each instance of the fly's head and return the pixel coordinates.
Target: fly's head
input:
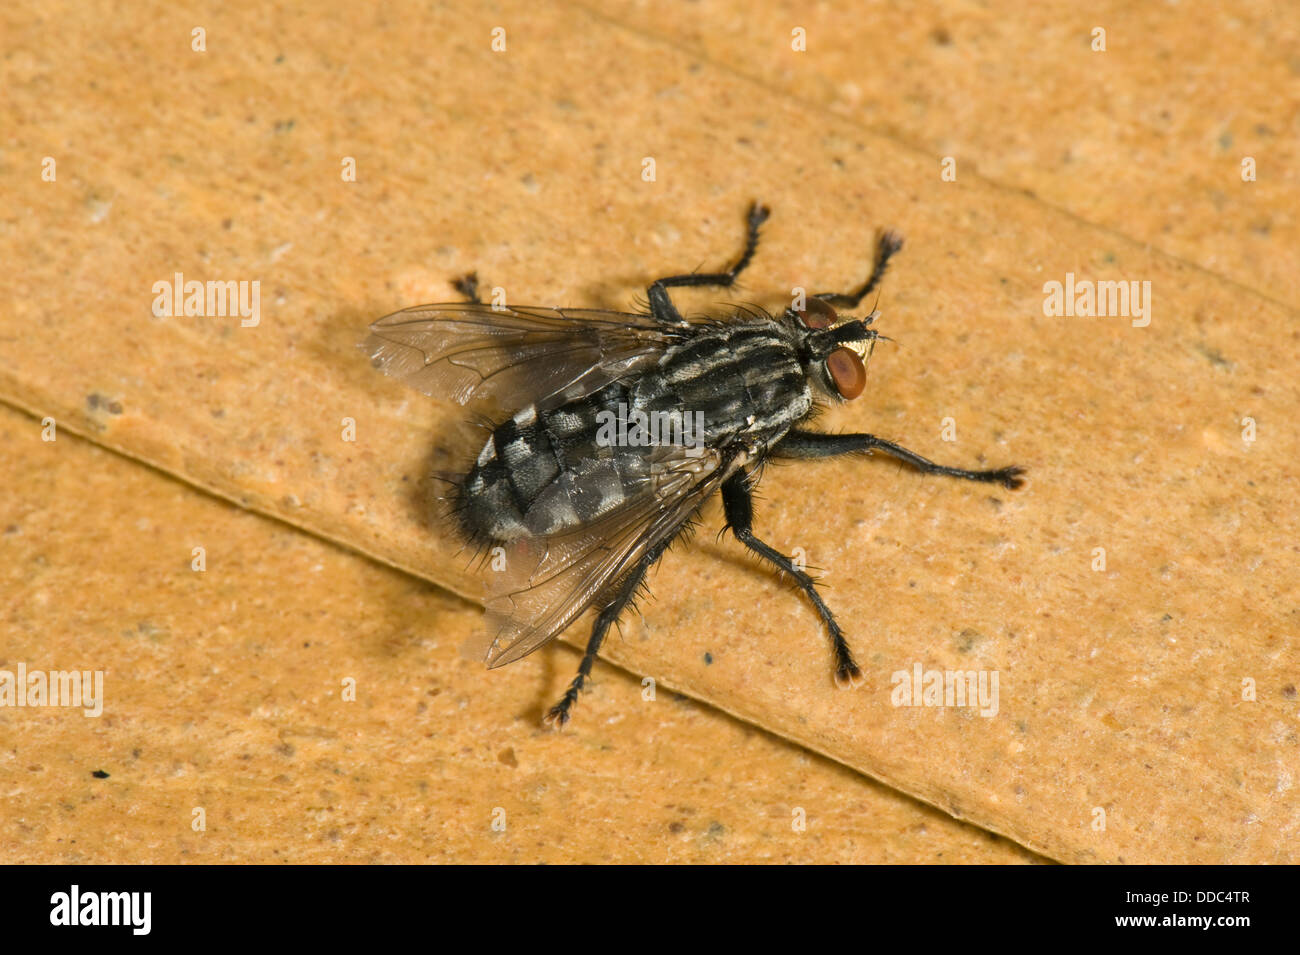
(835, 349)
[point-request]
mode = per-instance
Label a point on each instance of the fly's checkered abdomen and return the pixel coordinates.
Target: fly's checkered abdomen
(545, 473)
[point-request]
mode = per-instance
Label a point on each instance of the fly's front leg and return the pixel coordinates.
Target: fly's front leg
(738, 505)
(814, 444)
(662, 307)
(890, 242)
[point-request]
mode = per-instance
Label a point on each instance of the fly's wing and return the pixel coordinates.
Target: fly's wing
(549, 582)
(512, 356)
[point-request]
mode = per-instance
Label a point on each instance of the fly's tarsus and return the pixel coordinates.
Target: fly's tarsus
(1011, 478)
(467, 285)
(848, 675)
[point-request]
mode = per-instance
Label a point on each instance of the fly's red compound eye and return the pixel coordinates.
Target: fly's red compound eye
(847, 372)
(845, 366)
(817, 314)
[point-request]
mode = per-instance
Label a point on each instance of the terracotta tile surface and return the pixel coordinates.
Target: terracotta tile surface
(1145, 137)
(1121, 684)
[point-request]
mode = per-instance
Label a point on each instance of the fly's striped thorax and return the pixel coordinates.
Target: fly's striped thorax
(744, 379)
(545, 472)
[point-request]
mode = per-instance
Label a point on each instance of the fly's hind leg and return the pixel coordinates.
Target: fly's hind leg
(662, 307)
(625, 590)
(890, 242)
(467, 285)
(738, 505)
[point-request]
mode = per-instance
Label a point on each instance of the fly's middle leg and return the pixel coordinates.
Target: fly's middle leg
(738, 505)
(558, 715)
(662, 307)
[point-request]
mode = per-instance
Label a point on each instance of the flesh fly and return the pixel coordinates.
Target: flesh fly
(609, 431)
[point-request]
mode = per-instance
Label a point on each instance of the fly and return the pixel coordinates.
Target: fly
(582, 504)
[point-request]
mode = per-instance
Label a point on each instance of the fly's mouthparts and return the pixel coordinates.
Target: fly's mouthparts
(862, 349)
(865, 346)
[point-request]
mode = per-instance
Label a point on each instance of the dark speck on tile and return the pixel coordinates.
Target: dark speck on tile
(1214, 356)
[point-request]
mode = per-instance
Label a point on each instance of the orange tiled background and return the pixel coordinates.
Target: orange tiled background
(1137, 599)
